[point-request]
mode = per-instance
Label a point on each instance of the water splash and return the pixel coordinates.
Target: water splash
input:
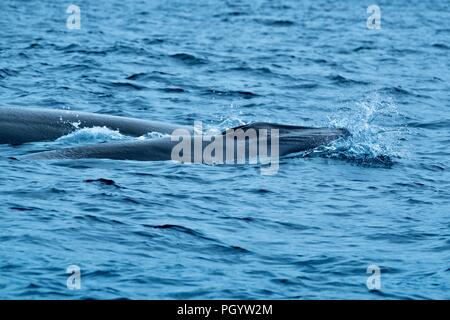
(376, 133)
(152, 135)
(233, 118)
(91, 135)
(101, 134)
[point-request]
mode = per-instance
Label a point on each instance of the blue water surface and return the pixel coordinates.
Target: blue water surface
(162, 230)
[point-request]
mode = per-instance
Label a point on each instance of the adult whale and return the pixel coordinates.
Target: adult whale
(21, 125)
(290, 139)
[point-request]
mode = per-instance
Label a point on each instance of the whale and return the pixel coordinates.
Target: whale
(21, 125)
(24, 125)
(290, 140)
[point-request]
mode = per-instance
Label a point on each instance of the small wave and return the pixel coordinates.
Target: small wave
(441, 46)
(75, 48)
(5, 72)
(443, 30)
(230, 14)
(399, 91)
(245, 68)
(90, 135)
(362, 48)
(126, 48)
(127, 85)
(396, 90)
(72, 46)
(188, 58)
(154, 41)
(22, 208)
(343, 81)
(275, 23)
(103, 181)
(232, 93)
(375, 134)
(172, 90)
(439, 124)
(182, 230)
(157, 76)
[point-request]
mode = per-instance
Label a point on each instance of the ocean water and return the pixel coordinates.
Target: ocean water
(162, 230)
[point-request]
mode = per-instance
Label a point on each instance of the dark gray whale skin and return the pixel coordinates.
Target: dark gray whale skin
(21, 125)
(292, 139)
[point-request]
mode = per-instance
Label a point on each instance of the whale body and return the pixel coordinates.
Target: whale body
(21, 125)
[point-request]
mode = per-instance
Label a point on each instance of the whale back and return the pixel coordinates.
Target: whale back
(21, 125)
(291, 139)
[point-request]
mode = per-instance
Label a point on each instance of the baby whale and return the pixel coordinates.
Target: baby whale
(21, 125)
